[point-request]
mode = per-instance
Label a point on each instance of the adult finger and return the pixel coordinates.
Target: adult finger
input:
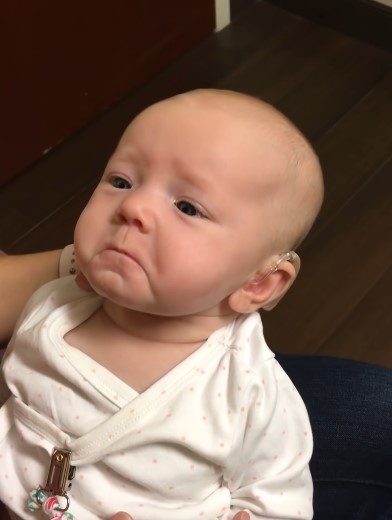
(122, 516)
(242, 515)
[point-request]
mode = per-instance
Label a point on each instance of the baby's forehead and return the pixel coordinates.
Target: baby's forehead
(226, 111)
(255, 140)
(214, 102)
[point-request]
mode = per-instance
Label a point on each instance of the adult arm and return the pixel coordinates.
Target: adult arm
(20, 276)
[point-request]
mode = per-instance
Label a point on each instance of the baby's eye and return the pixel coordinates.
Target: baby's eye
(188, 208)
(120, 183)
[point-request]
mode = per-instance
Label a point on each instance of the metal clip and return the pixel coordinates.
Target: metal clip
(60, 475)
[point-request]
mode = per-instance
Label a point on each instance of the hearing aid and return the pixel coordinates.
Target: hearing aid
(288, 256)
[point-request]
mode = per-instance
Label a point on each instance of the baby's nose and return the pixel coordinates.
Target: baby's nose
(138, 208)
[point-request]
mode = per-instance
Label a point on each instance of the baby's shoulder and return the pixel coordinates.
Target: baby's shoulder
(48, 298)
(56, 292)
(248, 342)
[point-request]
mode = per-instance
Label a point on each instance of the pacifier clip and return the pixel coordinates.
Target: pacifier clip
(53, 499)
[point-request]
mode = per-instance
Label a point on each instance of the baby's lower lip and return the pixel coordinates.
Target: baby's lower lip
(120, 251)
(123, 253)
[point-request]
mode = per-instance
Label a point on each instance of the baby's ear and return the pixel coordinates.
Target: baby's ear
(265, 289)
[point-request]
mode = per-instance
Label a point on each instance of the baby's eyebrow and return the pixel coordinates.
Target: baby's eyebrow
(124, 157)
(195, 177)
(123, 154)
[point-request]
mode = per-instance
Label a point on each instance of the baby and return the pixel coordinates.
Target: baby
(156, 393)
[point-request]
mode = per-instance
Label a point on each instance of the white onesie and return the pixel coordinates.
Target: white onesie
(223, 431)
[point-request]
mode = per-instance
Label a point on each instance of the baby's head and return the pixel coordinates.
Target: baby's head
(203, 195)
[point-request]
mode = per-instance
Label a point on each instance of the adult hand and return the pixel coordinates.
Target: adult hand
(242, 515)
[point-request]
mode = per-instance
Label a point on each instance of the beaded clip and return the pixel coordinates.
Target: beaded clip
(53, 498)
(49, 504)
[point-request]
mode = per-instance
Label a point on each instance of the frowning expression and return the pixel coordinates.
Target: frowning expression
(176, 223)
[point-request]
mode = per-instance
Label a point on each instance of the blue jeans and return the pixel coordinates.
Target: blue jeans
(350, 408)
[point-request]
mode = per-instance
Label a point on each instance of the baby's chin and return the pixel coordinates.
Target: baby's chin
(130, 292)
(110, 284)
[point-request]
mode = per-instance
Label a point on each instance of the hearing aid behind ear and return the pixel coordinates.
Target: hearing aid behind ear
(289, 256)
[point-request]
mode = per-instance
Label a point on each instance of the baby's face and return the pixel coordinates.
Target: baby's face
(176, 223)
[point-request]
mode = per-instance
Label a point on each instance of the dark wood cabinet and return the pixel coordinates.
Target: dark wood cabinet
(65, 62)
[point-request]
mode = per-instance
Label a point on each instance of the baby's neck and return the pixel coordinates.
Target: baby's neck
(164, 329)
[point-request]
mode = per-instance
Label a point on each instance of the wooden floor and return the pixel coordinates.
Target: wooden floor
(339, 92)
